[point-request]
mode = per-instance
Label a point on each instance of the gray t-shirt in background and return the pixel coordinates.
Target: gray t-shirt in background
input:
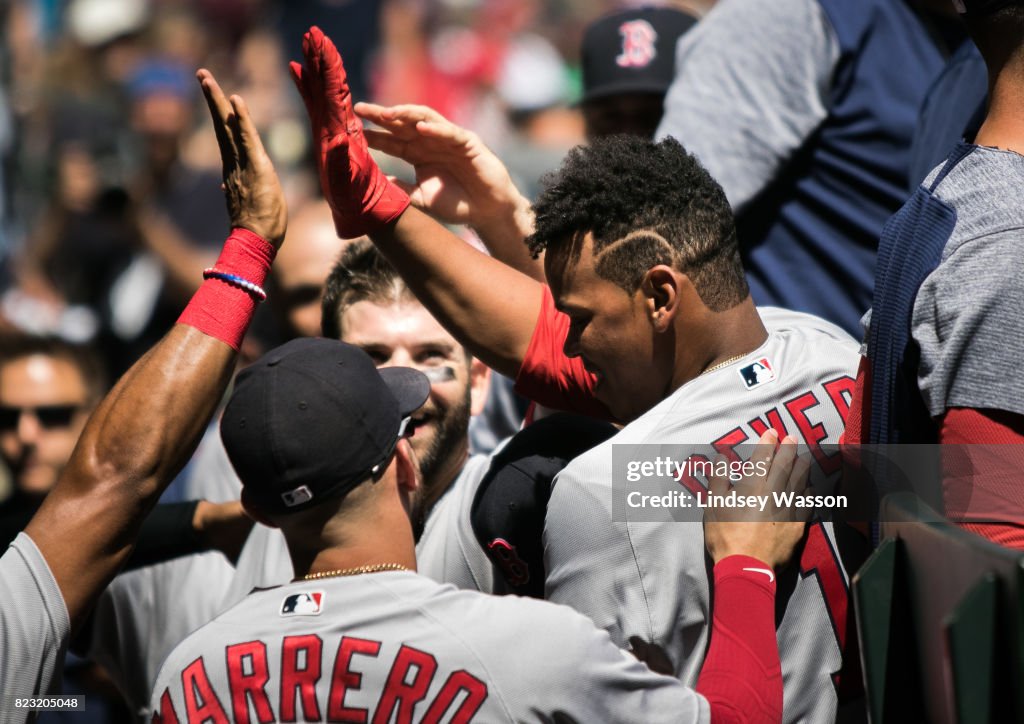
(34, 628)
(752, 84)
(968, 318)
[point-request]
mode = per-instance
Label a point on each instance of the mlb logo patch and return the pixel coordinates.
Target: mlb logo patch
(304, 603)
(757, 373)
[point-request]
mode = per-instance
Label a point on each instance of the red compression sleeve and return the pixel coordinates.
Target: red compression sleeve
(983, 482)
(550, 378)
(221, 309)
(741, 677)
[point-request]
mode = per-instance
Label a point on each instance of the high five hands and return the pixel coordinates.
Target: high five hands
(254, 196)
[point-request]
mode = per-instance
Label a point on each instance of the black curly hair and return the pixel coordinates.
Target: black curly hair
(645, 203)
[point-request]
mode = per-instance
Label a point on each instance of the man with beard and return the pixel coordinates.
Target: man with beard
(367, 304)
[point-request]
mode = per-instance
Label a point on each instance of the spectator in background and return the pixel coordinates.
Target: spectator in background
(804, 111)
(301, 269)
(628, 61)
(124, 251)
(47, 390)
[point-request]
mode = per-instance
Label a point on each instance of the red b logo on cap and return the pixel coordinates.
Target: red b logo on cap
(637, 44)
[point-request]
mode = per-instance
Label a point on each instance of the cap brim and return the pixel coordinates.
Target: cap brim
(410, 387)
(612, 89)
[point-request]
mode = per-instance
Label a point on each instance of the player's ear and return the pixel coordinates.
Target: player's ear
(662, 287)
(407, 468)
(479, 385)
(252, 511)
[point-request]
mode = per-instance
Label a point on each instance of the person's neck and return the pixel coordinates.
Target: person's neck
(731, 333)
(445, 474)
(1004, 123)
(377, 540)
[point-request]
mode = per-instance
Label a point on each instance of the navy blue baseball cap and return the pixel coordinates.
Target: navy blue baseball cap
(314, 418)
(632, 51)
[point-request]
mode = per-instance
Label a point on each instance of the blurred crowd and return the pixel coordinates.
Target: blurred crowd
(109, 208)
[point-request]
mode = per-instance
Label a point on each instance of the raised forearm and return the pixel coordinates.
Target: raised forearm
(505, 237)
(488, 306)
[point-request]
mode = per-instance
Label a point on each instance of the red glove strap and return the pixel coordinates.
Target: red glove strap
(221, 309)
(741, 677)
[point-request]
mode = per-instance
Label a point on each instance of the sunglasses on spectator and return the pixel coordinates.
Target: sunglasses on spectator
(50, 417)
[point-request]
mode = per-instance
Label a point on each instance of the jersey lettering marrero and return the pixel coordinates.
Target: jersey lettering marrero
(651, 580)
(397, 646)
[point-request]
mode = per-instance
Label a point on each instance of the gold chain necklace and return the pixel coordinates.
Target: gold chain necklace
(726, 363)
(376, 568)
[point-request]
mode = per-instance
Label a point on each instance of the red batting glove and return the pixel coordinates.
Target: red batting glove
(360, 196)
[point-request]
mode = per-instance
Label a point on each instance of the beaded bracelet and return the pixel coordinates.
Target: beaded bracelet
(255, 289)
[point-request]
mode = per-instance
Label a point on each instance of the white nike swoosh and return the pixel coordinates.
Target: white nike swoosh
(767, 572)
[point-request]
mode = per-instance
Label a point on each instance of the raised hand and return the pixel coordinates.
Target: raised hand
(458, 179)
(361, 197)
(772, 535)
(254, 196)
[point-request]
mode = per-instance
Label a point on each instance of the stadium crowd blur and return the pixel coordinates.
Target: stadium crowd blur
(109, 203)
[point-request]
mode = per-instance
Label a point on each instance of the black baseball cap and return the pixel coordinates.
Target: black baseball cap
(511, 502)
(312, 419)
(632, 51)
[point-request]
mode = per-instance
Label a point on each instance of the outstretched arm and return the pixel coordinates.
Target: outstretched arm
(489, 307)
(146, 428)
(458, 179)
(741, 677)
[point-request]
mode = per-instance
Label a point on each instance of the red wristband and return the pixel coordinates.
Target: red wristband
(221, 309)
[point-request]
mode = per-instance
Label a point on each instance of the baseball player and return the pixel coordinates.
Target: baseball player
(141, 433)
(318, 436)
(648, 320)
(944, 336)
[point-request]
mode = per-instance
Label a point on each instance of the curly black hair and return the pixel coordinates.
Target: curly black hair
(360, 274)
(645, 203)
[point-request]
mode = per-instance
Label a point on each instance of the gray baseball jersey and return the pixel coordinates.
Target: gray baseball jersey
(34, 627)
(448, 550)
(143, 614)
(651, 579)
(396, 644)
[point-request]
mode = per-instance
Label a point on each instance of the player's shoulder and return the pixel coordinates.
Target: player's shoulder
(779, 320)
